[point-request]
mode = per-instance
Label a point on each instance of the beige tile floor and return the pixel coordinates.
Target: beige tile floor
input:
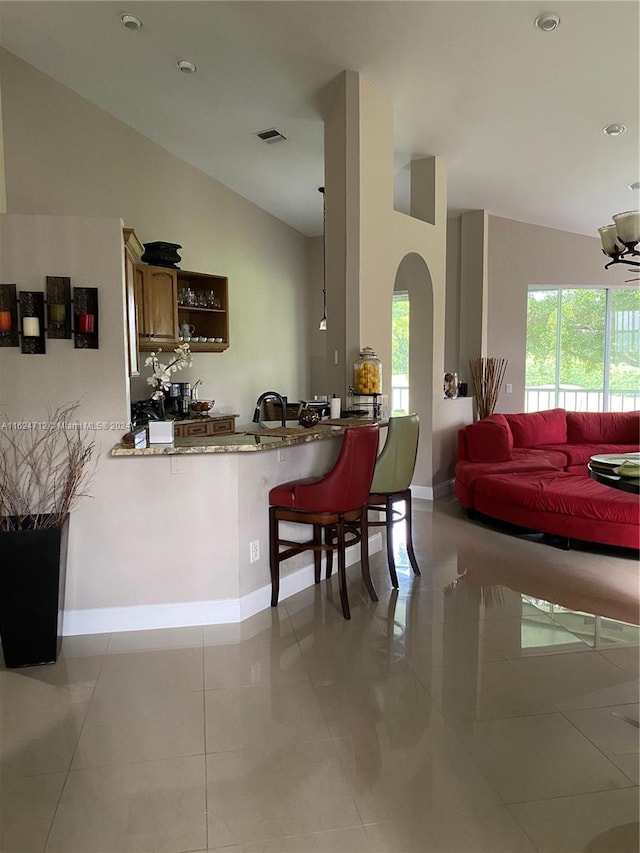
(489, 705)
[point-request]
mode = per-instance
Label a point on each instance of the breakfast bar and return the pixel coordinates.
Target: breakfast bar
(203, 503)
(251, 438)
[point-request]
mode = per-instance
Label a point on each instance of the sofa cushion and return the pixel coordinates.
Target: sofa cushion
(489, 440)
(603, 427)
(580, 454)
(566, 505)
(522, 461)
(533, 429)
(563, 494)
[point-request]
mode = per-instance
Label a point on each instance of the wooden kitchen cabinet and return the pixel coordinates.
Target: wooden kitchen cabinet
(156, 298)
(220, 425)
(166, 298)
(133, 250)
(209, 312)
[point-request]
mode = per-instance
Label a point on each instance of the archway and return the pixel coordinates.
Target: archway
(413, 278)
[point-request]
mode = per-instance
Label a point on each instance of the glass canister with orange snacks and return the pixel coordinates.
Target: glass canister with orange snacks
(367, 373)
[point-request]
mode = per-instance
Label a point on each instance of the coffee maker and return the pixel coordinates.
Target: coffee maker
(180, 398)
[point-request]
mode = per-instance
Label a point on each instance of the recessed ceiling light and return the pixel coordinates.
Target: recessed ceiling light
(635, 185)
(547, 22)
(614, 129)
(186, 67)
(130, 22)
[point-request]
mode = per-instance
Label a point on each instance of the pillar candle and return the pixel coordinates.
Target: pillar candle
(57, 312)
(31, 327)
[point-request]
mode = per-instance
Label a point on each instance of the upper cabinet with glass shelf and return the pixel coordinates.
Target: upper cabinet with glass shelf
(175, 305)
(203, 308)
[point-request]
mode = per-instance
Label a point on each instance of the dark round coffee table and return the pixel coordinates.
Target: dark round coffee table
(601, 470)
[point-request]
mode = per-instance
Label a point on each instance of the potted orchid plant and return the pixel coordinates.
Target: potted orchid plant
(160, 378)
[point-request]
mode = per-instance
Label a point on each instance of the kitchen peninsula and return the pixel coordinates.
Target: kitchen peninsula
(199, 505)
(251, 438)
(162, 539)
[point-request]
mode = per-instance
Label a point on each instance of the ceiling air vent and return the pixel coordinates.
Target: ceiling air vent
(270, 135)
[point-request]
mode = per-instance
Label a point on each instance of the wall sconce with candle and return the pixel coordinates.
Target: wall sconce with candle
(22, 316)
(32, 322)
(85, 317)
(8, 316)
(59, 307)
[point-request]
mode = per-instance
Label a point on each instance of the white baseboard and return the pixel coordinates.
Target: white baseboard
(107, 620)
(432, 493)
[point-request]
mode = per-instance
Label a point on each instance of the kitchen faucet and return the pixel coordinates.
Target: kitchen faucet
(271, 395)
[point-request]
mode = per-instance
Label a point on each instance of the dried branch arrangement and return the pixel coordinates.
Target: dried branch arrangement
(45, 468)
(487, 375)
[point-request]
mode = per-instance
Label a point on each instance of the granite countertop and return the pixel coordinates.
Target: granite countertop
(250, 438)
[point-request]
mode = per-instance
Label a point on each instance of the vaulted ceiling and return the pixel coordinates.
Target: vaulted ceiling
(516, 113)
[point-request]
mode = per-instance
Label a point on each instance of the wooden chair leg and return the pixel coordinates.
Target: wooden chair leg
(390, 557)
(342, 569)
(274, 561)
(317, 554)
(409, 536)
(329, 534)
(364, 556)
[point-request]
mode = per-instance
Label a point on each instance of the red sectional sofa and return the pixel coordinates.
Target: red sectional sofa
(530, 469)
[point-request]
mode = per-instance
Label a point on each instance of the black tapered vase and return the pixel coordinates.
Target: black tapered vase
(32, 582)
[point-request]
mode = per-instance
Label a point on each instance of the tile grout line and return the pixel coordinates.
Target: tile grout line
(595, 745)
(204, 740)
(75, 749)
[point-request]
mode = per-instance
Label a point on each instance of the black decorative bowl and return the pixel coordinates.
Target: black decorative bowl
(308, 417)
(161, 254)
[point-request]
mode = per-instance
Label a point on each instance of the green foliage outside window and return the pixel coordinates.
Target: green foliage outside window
(400, 335)
(582, 338)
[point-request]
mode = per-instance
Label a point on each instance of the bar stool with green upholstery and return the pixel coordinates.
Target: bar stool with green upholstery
(391, 483)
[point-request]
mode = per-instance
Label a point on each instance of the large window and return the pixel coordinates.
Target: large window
(583, 349)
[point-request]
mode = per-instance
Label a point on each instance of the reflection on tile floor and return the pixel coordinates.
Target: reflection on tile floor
(489, 705)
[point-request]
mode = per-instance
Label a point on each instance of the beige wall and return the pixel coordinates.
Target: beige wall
(452, 324)
(3, 193)
(382, 245)
(161, 540)
(64, 156)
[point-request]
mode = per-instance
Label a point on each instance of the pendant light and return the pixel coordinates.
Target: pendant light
(323, 323)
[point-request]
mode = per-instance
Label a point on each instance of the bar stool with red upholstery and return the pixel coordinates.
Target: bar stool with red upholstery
(337, 501)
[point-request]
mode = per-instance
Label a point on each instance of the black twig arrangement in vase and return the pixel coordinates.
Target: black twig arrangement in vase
(487, 374)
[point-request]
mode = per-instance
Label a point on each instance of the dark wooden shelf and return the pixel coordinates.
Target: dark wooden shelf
(192, 308)
(198, 347)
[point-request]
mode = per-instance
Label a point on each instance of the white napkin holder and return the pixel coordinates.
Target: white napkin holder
(160, 432)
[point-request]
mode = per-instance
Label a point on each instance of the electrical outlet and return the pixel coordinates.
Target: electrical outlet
(254, 551)
(282, 456)
(335, 356)
(508, 388)
(178, 465)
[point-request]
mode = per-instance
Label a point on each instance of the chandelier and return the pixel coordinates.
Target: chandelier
(619, 241)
